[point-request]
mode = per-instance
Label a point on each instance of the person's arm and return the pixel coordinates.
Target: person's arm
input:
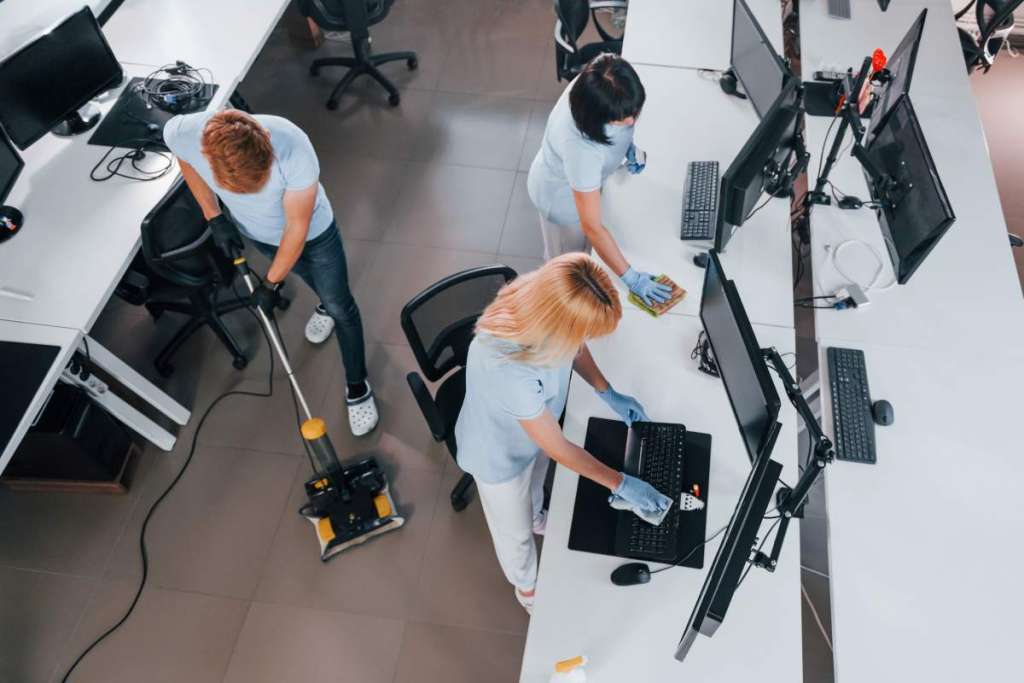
(204, 194)
(544, 431)
(298, 211)
(588, 206)
(586, 368)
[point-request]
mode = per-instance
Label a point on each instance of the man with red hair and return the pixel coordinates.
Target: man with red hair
(265, 171)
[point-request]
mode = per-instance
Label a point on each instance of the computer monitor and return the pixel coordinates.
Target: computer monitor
(10, 168)
(726, 571)
(901, 69)
(752, 395)
(758, 67)
(914, 211)
(47, 81)
(762, 165)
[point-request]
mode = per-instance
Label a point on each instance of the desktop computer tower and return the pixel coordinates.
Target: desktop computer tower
(73, 445)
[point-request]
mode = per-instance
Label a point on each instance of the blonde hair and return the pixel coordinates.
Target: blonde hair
(553, 310)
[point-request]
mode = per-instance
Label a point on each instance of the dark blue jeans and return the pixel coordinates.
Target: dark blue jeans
(322, 266)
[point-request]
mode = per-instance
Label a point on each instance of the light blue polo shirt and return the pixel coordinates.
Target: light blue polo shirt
(492, 445)
(568, 160)
(259, 215)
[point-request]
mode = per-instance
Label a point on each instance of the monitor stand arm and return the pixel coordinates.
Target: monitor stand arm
(790, 501)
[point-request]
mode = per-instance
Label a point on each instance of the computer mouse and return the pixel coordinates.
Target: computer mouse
(883, 413)
(631, 573)
(11, 221)
(701, 260)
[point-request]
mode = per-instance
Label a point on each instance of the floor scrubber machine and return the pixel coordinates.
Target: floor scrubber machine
(348, 504)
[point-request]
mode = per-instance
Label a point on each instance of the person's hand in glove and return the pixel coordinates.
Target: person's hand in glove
(640, 498)
(636, 160)
(267, 296)
(626, 407)
(646, 287)
(225, 235)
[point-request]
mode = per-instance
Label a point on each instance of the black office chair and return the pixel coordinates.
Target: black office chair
(572, 17)
(1016, 241)
(438, 322)
(182, 271)
(356, 17)
(995, 22)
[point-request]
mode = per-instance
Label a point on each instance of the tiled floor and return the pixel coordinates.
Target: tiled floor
(236, 590)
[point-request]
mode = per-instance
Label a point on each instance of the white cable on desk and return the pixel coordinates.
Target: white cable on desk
(871, 286)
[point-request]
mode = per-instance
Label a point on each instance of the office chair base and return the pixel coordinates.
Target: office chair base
(209, 315)
(459, 497)
(365, 67)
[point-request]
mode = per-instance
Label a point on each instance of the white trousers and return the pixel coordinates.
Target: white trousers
(561, 239)
(510, 509)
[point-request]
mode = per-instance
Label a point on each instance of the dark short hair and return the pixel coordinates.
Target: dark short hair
(608, 89)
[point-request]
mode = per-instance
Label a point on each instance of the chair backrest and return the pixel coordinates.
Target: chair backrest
(177, 243)
(995, 21)
(572, 17)
(355, 16)
(438, 322)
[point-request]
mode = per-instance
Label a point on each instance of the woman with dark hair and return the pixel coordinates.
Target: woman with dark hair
(588, 136)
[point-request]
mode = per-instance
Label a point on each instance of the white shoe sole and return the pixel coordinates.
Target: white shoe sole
(362, 414)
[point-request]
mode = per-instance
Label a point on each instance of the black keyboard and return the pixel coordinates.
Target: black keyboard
(851, 406)
(700, 201)
(660, 464)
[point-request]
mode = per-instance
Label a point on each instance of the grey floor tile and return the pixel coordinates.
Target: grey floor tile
(401, 438)
(433, 653)
(521, 235)
(38, 612)
(430, 43)
(462, 584)
(280, 643)
(476, 130)
(546, 85)
(213, 533)
(378, 577)
(814, 543)
(452, 207)
(817, 654)
(398, 273)
(70, 533)
(539, 112)
(362, 194)
(170, 638)
(521, 264)
(496, 65)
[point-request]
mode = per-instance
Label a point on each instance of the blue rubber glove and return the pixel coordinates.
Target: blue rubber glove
(641, 499)
(626, 407)
(636, 161)
(644, 286)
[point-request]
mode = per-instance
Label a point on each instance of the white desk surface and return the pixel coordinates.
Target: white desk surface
(630, 633)
(224, 36)
(79, 236)
(23, 333)
(924, 546)
(827, 43)
(644, 211)
(693, 34)
(967, 291)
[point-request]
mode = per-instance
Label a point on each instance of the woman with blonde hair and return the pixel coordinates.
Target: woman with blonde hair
(527, 342)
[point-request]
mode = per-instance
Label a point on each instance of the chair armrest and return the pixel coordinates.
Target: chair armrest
(427, 406)
(1016, 240)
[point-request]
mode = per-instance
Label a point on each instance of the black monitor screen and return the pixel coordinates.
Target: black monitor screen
(755, 402)
(10, 166)
(915, 211)
(901, 69)
(767, 150)
(50, 78)
(757, 65)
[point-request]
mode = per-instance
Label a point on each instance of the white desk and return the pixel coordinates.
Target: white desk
(837, 44)
(967, 291)
(224, 36)
(630, 633)
(644, 211)
(692, 34)
(925, 546)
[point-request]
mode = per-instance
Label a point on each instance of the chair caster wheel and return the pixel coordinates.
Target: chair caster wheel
(283, 304)
(412, 63)
(165, 370)
(459, 504)
(332, 104)
(240, 363)
(394, 100)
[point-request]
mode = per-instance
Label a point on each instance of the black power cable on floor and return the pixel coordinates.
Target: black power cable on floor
(170, 487)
